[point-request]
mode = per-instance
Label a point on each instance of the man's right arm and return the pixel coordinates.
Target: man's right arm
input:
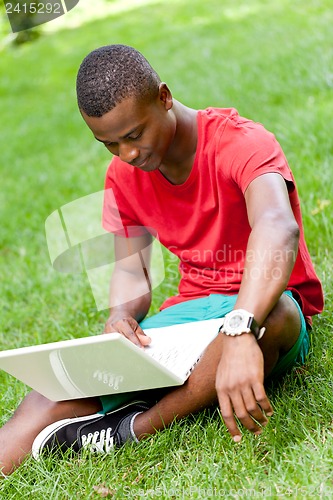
(130, 288)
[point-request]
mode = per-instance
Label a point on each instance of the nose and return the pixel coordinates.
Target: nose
(128, 152)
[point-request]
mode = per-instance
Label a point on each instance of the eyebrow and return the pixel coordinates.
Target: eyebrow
(122, 137)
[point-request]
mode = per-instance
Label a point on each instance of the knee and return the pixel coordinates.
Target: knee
(36, 399)
(44, 408)
(283, 325)
(36, 403)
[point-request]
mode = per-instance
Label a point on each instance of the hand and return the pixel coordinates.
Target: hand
(240, 385)
(128, 327)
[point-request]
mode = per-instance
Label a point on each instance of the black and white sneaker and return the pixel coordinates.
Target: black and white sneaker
(97, 433)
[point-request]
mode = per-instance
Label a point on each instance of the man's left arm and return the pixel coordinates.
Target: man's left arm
(270, 257)
(272, 246)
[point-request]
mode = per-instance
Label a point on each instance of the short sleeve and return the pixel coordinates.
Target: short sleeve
(252, 151)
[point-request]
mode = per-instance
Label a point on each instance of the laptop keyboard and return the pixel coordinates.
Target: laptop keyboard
(179, 347)
(176, 357)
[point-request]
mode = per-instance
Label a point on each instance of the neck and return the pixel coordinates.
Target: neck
(178, 162)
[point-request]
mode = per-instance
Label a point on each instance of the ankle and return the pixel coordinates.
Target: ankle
(142, 426)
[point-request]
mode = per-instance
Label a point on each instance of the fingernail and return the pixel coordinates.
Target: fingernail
(237, 439)
(269, 414)
(257, 433)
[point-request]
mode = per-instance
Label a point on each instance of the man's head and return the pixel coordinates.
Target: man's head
(126, 106)
(110, 74)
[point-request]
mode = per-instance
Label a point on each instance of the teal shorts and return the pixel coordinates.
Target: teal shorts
(211, 307)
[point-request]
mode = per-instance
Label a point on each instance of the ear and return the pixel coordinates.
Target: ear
(165, 96)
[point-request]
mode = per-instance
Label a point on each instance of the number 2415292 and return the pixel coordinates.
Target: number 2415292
(33, 8)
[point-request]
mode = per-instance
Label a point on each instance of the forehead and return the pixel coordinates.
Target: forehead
(124, 117)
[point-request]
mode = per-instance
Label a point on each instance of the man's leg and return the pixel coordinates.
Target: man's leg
(36, 412)
(282, 331)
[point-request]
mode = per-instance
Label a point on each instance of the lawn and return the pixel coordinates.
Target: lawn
(273, 61)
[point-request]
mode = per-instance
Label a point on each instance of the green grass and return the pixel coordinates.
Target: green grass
(273, 61)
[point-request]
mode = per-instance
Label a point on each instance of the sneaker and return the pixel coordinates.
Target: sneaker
(98, 432)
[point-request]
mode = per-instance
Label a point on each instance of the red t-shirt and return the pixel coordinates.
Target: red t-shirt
(204, 220)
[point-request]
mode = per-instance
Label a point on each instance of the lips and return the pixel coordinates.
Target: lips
(142, 164)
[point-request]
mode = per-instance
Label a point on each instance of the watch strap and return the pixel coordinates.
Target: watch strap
(255, 329)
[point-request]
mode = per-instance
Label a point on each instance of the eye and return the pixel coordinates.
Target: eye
(112, 147)
(136, 137)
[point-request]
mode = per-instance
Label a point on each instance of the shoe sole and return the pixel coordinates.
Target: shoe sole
(46, 433)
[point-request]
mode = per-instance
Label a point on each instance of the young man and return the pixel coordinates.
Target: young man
(218, 191)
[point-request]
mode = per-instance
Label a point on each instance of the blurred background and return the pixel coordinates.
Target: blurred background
(270, 59)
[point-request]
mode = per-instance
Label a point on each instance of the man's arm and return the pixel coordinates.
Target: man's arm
(272, 246)
(130, 288)
(270, 257)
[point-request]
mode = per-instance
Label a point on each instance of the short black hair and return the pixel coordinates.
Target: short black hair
(112, 73)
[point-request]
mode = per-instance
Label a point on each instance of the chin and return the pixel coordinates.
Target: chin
(150, 167)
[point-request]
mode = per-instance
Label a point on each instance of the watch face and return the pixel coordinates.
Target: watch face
(235, 321)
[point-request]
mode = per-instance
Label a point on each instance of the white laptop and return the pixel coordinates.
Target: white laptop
(110, 363)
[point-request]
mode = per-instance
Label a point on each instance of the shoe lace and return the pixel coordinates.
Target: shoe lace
(99, 441)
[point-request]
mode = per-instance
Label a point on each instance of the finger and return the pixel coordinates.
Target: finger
(143, 337)
(262, 399)
(128, 331)
(241, 405)
(126, 328)
(254, 412)
(109, 328)
(228, 417)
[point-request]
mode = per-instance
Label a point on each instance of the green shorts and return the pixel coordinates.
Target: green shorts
(210, 307)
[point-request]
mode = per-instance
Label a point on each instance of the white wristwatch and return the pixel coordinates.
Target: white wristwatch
(240, 321)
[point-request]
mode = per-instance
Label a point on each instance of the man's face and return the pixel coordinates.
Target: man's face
(140, 133)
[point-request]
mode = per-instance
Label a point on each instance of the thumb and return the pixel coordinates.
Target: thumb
(144, 339)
